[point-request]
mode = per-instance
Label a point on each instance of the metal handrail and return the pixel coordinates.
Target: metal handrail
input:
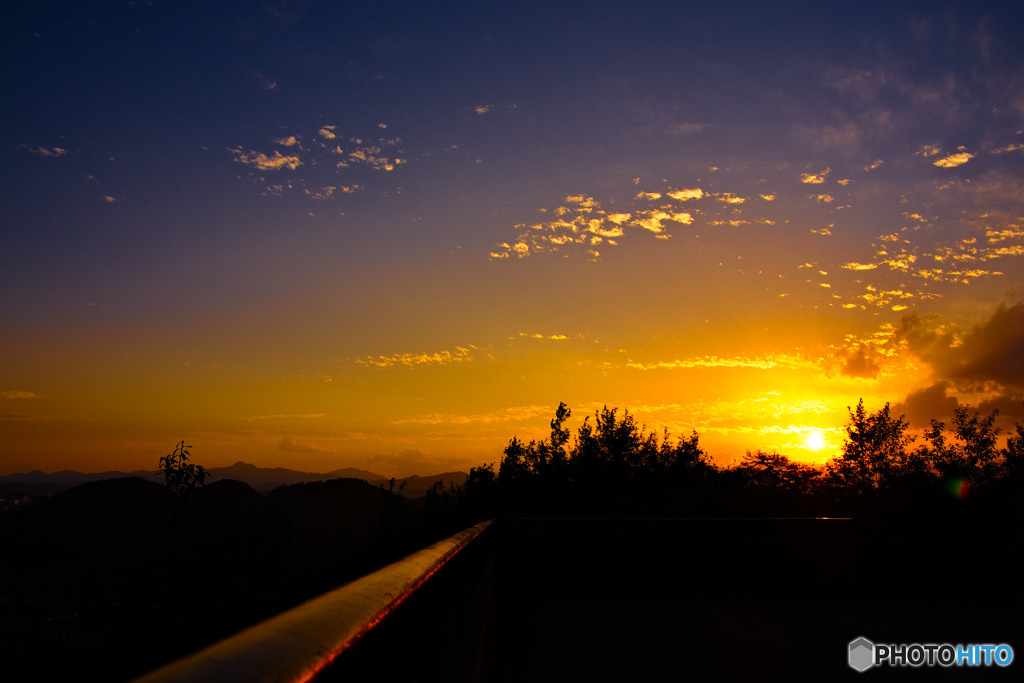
(296, 645)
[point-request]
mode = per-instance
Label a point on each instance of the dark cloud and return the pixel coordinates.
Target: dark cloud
(991, 352)
(861, 364)
(988, 358)
(922, 337)
(920, 407)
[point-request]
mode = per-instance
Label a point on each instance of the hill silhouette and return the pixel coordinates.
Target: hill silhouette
(262, 479)
(126, 576)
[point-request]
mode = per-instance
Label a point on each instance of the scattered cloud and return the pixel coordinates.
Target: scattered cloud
(262, 162)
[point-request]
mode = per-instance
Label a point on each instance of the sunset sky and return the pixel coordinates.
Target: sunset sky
(393, 235)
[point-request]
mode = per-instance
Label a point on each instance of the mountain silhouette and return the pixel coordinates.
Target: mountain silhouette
(262, 479)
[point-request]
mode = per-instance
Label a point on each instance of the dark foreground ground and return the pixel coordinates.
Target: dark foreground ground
(686, 599)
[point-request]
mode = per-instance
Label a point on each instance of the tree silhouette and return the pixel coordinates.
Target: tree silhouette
(180, 475)
(874, 451)
(775, 470)
(971, 453)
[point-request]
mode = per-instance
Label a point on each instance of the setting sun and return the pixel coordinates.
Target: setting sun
(815, 440)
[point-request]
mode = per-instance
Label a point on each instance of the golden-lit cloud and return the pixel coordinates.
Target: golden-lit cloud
(929, 150)
(290, 141)
(730, 198)
(327, 132)
(954, 160)
(815, 178)
(538, 335)
(583, 201)
(686, 194)
(262, 162)
(443, 357)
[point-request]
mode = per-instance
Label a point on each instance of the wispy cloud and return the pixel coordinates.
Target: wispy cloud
(765, 362)
(1013, 147)
(283, 416)
(52, 152)
(511, 414)
(687, 128)
(443, 357)
(19, 395)
(291, 445)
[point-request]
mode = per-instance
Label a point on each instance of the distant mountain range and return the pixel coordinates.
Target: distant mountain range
(262, 479)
